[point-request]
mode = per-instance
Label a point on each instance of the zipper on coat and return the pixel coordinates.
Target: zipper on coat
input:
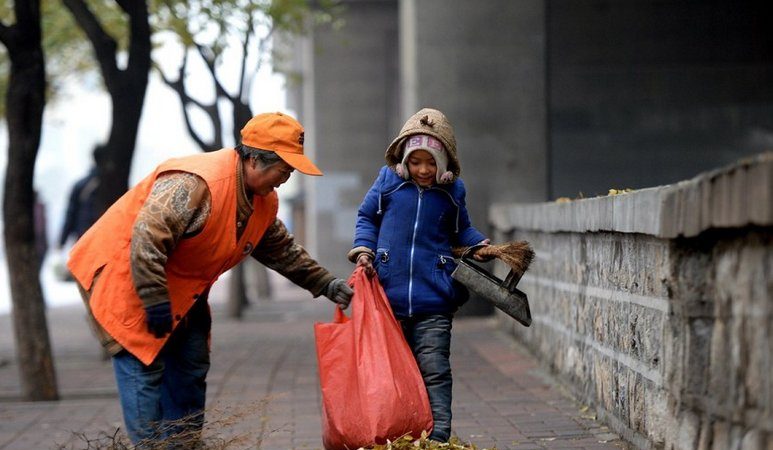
(413, 247)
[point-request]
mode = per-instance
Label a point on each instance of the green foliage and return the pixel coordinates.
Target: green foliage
(65, 46)
(68, 52)
(7, 15)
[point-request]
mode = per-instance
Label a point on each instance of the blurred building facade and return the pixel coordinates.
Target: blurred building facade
(549, 98)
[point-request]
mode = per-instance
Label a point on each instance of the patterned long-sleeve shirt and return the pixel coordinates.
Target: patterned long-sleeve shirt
(178, 207)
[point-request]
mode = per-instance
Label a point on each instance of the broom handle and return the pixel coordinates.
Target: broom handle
(511, 281)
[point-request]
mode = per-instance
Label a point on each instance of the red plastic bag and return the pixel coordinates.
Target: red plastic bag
(372, 389)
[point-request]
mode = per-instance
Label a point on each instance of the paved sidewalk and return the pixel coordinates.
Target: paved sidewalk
(263, 386)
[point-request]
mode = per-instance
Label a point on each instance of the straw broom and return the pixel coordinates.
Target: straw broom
(518, 255)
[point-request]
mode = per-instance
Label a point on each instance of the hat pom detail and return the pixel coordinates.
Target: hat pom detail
(425, 120)
(446, 178)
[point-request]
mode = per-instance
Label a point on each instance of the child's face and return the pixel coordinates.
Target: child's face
(422, 168)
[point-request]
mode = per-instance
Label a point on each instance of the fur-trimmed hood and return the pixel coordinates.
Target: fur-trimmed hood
(427, 121)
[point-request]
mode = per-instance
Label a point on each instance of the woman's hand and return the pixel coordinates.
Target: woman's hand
(365, 261)
(482, 258)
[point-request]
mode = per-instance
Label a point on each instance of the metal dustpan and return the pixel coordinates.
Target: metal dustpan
(502, 294)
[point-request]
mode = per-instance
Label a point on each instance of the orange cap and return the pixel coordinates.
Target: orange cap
(281, 134)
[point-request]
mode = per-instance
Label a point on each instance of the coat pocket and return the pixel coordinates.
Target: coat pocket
(381, 263)
(444, 266)
(452, 289)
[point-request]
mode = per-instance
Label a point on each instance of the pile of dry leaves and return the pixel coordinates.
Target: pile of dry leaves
(409, 443)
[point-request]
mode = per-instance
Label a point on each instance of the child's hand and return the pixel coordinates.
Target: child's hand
(482, 258)
(366, 262)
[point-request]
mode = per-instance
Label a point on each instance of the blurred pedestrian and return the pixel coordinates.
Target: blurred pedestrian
(81, 206)
(146, 267)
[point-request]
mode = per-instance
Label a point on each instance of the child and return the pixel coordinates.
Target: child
(407, 223)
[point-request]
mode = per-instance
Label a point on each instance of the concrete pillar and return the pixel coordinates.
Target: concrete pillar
(347, 100)
(483, 64)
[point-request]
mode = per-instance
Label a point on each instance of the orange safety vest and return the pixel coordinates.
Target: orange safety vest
(191, 269)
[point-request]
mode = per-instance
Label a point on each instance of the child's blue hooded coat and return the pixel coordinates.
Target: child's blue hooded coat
(411, 230)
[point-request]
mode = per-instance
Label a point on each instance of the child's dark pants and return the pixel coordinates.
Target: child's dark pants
(429, 337)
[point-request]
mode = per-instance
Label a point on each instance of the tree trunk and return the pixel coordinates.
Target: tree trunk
(24, 104)
(262, 281)
(241, 115)
(126, 88)
(127, 92)
(114, 168)
(237, 294)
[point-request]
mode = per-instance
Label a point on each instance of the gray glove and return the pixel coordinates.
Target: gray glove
(339, 292)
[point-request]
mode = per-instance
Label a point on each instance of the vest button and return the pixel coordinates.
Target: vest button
(177, 317)
(195, 296)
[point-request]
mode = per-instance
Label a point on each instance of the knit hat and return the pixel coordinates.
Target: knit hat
(427, 121)
(432, 146)
(281, 134)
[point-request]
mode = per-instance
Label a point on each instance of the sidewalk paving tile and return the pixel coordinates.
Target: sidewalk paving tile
(263, 386)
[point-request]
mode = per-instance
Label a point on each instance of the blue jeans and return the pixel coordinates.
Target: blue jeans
(165, 400)
(429, 337)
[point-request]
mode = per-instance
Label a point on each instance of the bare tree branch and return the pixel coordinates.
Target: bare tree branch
(104, 45)
(126, 5)
(27, 16)
(139, 26)
(210, 62)
(243, 68)
(211, 110)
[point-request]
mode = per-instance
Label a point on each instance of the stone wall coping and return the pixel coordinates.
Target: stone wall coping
(734, 196)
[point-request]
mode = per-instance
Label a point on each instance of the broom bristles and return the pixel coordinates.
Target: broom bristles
(518, 255)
